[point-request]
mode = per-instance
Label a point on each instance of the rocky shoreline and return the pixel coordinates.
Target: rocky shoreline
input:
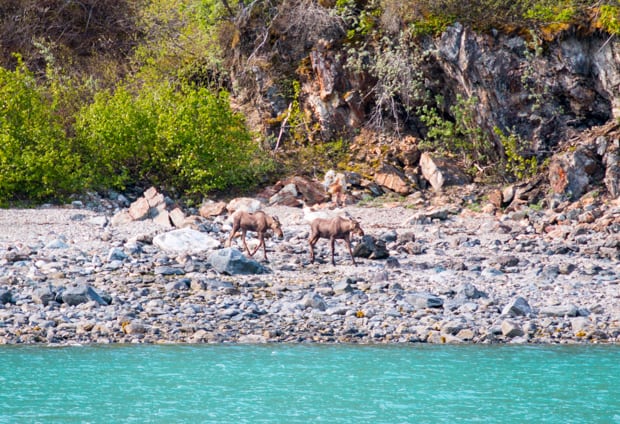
(69, 275)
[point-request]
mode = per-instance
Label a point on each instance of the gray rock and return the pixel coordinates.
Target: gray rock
(168, 270)
(559, 311)
(43, 295)
(469, 291)
(371, 248)
(182, 284)
(5, 297)
(517, 307)
(423, 300)
(57, 244)
(511, 329)
(389, 236)
(81, 294)
(116, 254)
(315, 301)
(232, 262)
(343, 286)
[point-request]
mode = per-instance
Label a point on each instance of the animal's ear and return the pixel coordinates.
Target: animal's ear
(275, 218)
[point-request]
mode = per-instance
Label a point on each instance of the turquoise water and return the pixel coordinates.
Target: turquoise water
(308, 384)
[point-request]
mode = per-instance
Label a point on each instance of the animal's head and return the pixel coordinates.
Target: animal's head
(356, 228)
(276, 227)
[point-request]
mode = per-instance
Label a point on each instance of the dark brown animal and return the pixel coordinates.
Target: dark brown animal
(333, 229)
(259, 222)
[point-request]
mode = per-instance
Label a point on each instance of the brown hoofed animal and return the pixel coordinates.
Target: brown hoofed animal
(259, 222)
(333, 229)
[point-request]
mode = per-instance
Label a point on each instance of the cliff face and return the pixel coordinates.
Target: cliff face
(549, 93)
(544, 92)
(571, 84)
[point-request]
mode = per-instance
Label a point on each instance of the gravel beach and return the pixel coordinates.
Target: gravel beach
(68, 275)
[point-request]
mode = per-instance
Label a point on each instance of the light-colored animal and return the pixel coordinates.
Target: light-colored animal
(334, 229)
(310, 213)
(336, 185)
(259, 222)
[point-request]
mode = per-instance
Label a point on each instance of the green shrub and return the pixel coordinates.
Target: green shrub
(206, 145)
(459, 133)
(516, 164)
(551, 12)
(185, 139)
(36, 160)
(118, 138)
(609, 18)
(432, 25)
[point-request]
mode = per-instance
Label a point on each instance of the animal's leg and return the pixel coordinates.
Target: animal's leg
(312, 242)
(233, 232)
(244, 242)
(333, 243)
(261, 242)
(348, 242)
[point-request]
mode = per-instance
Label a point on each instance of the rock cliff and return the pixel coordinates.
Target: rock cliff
(560, 97)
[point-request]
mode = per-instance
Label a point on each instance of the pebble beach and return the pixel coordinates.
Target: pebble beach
(450, 275)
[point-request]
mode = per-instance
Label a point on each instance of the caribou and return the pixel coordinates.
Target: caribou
(337, 228)
(258, 222)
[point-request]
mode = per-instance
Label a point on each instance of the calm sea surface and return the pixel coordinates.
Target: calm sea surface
(308, 384)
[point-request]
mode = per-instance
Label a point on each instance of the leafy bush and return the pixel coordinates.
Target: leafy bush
(459, 133)
(516, 164)
(36, 160)
(551, 12)
(395, 64)
(609, 18)
(117, 135)
(186, 139)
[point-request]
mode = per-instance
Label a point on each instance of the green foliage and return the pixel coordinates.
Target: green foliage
(517, 165)
(395, 63)
(460, 136)
(530, 78)
(360, 20)
(181, 40)
(431, 17)
(36, 161)
(551, 11)
(185, 139)
(298, 129)
(609, 18)
(318, 156)
(117, 135)
(432, 25)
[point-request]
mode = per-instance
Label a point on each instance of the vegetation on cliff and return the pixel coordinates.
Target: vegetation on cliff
(198, 96)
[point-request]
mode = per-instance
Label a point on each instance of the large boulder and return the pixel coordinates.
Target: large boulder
(185, 240)
(441, 172)
(307, 191)
(371, 248)
(393, 179)
(287, 196)
(243, 204)
(82, 293)
(570, 173)
(517, 307)
(210, 209)
(231, 261)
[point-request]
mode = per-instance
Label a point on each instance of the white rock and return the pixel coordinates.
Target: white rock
(185, 240)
